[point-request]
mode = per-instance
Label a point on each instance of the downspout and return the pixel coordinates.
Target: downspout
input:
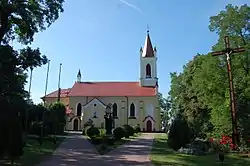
(127, 108)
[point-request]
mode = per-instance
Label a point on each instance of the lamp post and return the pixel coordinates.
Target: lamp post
(108, 120)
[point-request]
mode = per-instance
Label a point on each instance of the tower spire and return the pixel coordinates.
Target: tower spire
(79, 76)
(148, 50)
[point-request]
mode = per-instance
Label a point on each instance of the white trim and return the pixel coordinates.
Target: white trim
(95, 100)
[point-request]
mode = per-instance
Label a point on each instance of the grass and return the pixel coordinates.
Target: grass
(162, 155)
(34, 153)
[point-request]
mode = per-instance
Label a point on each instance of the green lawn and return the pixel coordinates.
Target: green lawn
(162, 155)
(34, 153)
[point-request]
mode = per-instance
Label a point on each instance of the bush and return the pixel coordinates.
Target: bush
(179, 134)
(93, 131)
(102, 132)
(35, 129)
(137, 129)
(129, 131)
(119, 133)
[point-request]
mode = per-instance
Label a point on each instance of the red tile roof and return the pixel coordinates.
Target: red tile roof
(106, 89)
(64, 93)
(111, 89)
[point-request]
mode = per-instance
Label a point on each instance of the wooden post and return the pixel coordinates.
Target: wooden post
(228, 52)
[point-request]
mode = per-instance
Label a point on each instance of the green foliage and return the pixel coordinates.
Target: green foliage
(129, 131)
(137, 129)
(200, 92)
(177, 139)
(119, 133)
(165, 106)
(93, 131)
(15, 141)
(22, 19)
(60, 116)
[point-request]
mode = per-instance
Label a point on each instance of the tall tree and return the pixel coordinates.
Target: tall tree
(165, 107)
(20, 20)
(201, 91)
(234, 21)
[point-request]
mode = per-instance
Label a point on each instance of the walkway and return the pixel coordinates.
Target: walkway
(135, 153)
(78, 151)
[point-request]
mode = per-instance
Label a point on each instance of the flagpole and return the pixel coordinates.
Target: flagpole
(46, 83)
(31, 71)
(59, 89)
(26, 112)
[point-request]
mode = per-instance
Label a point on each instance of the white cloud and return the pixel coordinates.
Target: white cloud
(131, 5)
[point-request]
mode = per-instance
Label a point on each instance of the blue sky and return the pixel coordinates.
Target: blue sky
(102, 38)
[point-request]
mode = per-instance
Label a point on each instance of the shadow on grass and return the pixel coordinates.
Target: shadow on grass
(34, 153)
(161, 154)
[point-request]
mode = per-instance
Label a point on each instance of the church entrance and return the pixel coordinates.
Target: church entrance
(75, 125)
(149, 126)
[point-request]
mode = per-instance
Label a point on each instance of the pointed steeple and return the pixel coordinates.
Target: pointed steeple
(79, 76)
(79, 73)
(148, 50)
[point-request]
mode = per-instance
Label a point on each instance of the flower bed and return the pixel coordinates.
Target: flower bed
(224, 144)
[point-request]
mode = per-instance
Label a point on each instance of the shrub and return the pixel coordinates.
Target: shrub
(93, 131)
(102, 132)
(179, 134)
(36, 128)
(137, 129)
(129, 131)
(224, 144)
(119, 133)
(59, 111)
(84, 131)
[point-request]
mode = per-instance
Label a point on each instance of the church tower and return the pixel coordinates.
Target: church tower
(79, 76)
(148, 67)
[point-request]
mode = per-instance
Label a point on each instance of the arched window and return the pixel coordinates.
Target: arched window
(132, 110)
(114, 110)
(148, 71)
(79, 109)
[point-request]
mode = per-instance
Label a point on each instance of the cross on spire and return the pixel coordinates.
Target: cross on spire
(147, 29)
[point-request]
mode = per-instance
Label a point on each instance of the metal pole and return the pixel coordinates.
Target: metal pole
(31, 71)
(26, 112)
(46, 83)
(59, 89)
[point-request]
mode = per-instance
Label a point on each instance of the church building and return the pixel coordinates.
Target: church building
(134, 103)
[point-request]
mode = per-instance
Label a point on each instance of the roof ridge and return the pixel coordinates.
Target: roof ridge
(108, 81)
